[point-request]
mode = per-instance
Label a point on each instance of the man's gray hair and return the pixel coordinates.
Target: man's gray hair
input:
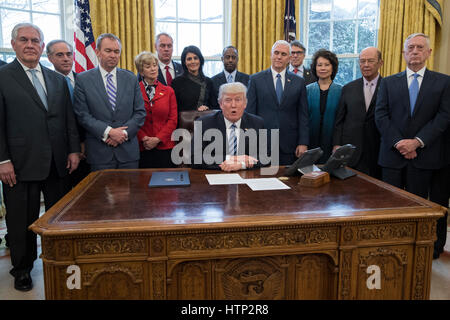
(109, 36)
(17, 27)
(163, 34)
(427, 38)
(53, 42)
(232, 88)
(298, 44)
(281, 42)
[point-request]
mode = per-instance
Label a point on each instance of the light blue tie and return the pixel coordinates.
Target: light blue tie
(413, 92)
(279, 88)
(111, 91)
(39, 88)
(232, 143)
(69, 84)
(230, 78)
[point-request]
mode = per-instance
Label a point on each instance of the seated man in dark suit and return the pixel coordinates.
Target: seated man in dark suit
(236, 128)
(230, 74)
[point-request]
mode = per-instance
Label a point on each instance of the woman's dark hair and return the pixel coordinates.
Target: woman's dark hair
(326, 54)
(198, 53)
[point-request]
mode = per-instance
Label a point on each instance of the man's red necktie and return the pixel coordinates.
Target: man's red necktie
(295, 70)
(168, 76)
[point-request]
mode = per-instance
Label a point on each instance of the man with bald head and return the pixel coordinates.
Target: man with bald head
(355, 122)
(412, 114)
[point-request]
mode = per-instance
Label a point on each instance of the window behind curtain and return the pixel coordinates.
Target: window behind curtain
(46, 14)
(342, 26)
(194, 22)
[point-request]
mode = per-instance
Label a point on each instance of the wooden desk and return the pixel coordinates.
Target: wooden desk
(228, 242)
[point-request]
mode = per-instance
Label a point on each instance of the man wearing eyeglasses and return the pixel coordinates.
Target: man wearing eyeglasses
(355, 122)
(412, 114)
(298, 52)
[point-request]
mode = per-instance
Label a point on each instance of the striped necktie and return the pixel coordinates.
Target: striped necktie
(230, 78)
(39, 88)
(111, 91)
(232, 142)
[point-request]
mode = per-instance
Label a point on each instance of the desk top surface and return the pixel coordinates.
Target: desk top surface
(122, 199)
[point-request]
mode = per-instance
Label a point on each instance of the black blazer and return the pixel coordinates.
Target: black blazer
(30, 136)
(354, 125)
(291, 116)
(187, 93)
(2, 63)
(219, 79)
(430, 119)
(216, 121)
(178, 71)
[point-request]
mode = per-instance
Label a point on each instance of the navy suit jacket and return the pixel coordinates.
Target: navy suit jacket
(94, 113)
(178, 71)
(219, 79)
(291, 116)
(2, 62)
(429, 121)
(216, 121)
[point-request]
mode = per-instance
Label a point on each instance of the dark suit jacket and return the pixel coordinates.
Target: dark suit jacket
(95, 114)
(430, 119)
(2, 63)
(216, 121)
(308, 76)
(29, 134)
(354, 124)
(219, 79)
(291, 116)
(178, 71)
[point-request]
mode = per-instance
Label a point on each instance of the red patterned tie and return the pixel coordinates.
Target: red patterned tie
(295, 70)
(168, 76)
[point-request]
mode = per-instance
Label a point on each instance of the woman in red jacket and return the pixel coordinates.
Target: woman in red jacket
(161, 120)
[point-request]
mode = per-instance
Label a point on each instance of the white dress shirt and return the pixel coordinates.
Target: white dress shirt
(39, 74)
(274, 76)
(410, 75)
(233, 75)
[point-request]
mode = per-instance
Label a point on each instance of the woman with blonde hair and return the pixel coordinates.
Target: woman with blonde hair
(161, 120)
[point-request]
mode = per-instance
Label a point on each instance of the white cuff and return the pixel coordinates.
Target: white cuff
(106, 133)
(6, 161)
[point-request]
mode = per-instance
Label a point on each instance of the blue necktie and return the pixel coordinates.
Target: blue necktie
(39, 88)
(413, 92)
(69, 84)
(279, 88)
(230, 78)
(232, 143)
(111, 91)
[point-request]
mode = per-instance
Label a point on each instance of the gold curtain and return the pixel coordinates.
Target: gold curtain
(130, 20)
(256, 25)
(399, 19)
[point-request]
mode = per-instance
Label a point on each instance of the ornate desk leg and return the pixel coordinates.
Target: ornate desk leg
(345, 275)
(423, 257)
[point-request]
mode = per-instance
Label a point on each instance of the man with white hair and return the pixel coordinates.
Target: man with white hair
(279, 97)
(39, 144)
(412, 113)
(236, 128)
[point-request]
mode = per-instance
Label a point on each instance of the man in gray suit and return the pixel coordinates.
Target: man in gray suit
(39, 144)
(109, 106)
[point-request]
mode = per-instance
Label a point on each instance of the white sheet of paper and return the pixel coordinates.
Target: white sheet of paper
(264, 184)
(227, 178)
